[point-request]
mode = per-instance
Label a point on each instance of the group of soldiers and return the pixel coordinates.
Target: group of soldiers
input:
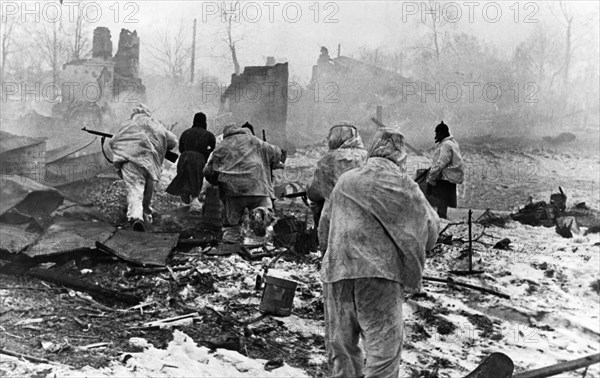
(374, 222)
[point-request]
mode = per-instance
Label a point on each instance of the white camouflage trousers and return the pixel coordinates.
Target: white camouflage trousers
(140, 188)
(369, 308)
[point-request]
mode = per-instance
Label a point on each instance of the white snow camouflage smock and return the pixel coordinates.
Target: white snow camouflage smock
(142, 141)
(345, 153)
(378, 223)
(243, 162)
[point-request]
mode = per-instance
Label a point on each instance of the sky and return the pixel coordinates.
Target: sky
(293, 31)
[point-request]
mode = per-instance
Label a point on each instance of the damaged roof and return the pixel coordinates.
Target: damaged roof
(10, 142)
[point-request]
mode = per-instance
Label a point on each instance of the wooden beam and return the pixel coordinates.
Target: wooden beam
(413, 149)
(552, 370)
(450, 281)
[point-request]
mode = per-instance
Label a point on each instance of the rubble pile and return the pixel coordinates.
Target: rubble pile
(96, 307)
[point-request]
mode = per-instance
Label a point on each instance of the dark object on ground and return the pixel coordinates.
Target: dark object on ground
(559, 200)
(537, 214)
(230, 342)
(138, 226)
(503, 244)
(553, 370)
(560, 138)
(564, 230)
(273, 364)
(77, 284)
(581, 205)
(496, 365)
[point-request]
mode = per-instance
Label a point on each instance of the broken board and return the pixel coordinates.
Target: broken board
(68, 234)
(141, 248)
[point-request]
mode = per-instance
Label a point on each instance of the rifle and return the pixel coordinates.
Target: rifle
(169, 155)
(103, 137)
(296, 195)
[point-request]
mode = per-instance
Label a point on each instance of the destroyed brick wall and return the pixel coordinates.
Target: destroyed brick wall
(259, 96)
(127, 83)
(88, 81)
(102, 43)
(103, 78)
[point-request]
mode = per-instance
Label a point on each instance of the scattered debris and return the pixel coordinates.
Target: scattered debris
(78, 284)
(173, 322)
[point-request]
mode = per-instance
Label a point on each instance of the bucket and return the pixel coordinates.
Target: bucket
(278, 296)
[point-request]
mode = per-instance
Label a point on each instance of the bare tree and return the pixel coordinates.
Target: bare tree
(78, 41)
(566, 18)
(7, 43)
(172, 50)
(229, 16)
(50, 42)
(436, 23)
(537, 56)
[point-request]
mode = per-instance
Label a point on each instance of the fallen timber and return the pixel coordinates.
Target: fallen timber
(450, 281)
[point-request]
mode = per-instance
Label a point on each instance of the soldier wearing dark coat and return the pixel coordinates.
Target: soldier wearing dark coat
(195, 144)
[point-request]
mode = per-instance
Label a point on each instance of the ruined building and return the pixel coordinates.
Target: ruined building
(104, 78)
(259, 96)
(348, 89)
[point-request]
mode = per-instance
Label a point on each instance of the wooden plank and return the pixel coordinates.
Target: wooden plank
(141, 248)
(552, 370)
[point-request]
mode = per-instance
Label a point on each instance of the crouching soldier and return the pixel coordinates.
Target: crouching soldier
(139, 149)
(240, 165)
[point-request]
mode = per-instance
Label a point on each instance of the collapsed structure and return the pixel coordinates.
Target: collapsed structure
(104, 78)
(259, 96)
(346, 88)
